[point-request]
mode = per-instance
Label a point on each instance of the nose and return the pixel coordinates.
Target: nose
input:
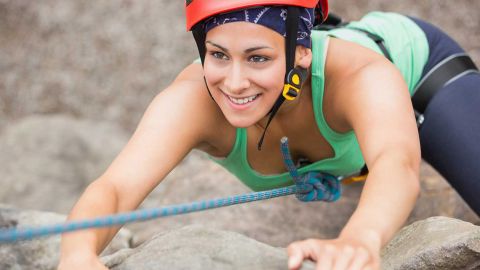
(236, 80)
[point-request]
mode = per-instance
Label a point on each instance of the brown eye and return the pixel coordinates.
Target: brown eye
(258, 59)
(219, 55)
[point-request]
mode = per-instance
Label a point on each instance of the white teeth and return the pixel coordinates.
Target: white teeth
(241, 101)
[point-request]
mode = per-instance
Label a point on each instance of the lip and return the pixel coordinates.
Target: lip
(240, 106)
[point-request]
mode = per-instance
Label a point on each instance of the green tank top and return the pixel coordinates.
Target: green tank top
(408, 47)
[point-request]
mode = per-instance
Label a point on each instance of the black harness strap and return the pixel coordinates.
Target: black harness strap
(440, 75)
(377, 39)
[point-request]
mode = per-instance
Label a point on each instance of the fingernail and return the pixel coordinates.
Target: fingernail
(293, 262)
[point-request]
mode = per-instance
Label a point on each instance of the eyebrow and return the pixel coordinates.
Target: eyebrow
(249, 50)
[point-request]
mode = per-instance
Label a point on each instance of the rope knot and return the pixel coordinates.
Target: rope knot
(313, 185)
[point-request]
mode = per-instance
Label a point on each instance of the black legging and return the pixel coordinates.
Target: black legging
(450, 133)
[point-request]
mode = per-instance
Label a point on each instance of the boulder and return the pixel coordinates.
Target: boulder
(40, 253)
(435, 243)
(198, 248)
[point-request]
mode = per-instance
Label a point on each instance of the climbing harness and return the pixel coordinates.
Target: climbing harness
(313, 186)
(443, 73)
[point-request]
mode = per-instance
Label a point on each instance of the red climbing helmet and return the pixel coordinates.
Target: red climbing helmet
(198, 10)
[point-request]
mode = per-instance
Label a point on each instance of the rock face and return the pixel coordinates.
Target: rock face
(47, 161)
(101, 61)
(435, 243)
(42, 253)
(197, 247)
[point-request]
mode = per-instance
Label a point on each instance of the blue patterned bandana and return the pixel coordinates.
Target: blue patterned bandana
(273, 17)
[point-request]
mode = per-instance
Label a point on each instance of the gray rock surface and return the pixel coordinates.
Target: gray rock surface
(42, 253)
(435, 243)
(102, 60)
(198, 248)
(47, 161)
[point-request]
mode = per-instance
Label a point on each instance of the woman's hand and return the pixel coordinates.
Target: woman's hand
(361, 252)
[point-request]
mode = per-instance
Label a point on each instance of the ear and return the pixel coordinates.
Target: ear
(303, 56)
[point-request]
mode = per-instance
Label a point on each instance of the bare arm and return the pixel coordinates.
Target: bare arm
(372, 100)
(382, 118)
(178, 120)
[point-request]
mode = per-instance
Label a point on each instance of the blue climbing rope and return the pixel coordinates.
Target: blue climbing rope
(28, 233)
(313, 186)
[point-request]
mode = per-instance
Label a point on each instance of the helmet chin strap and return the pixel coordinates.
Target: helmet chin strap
(294, 77)
(199, 36)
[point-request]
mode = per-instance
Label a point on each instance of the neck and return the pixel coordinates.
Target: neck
(287, 117)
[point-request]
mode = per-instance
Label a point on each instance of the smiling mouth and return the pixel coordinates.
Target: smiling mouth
(241, 101)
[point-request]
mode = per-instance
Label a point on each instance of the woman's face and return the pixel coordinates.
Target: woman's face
(244, 69)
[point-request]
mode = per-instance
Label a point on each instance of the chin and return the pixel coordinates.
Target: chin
(241, 122)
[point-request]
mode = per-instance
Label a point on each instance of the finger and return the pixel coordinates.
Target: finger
(295, 255)
(374, 264)
(344, 258)
(326, 257)
(360, 260)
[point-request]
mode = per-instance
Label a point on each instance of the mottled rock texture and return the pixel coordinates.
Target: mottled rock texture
(434, 243)
(48, 160)
(42, 253)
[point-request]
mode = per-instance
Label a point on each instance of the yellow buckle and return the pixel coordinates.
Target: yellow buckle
(287, 94)
(354, 179)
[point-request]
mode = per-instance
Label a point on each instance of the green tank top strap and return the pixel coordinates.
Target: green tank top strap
(405, 41)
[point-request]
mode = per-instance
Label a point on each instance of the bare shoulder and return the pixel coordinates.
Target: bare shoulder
(192, 105)
(356, 76)
(368, 94)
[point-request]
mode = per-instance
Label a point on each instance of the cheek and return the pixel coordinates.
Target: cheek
(271, 79)
(212, 74)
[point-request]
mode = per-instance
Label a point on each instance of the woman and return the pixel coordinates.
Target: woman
(344, 105)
